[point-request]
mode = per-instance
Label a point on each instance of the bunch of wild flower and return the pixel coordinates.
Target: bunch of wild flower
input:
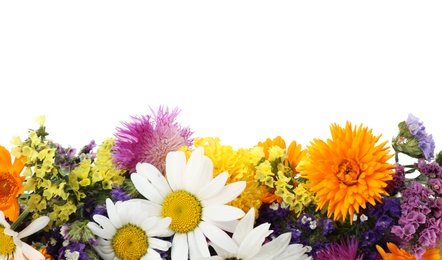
(275, 172)
(77, 241)
(59, 180)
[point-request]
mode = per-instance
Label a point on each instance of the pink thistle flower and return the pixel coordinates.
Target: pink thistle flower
(343, 249)
(148, 139)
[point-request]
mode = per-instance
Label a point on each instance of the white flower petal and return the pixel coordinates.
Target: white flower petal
(155, 177)
(244, 227)
(146, 188)
(104, 233)
(175, 167)
(201, 242)
(151, 255)
(161, 228)
(218, 237)
(180, 247)
(34, 227)
(113, 214)
(275, 247)
(222, 213)
(251, 245)
(199, 171)
(213, 187)
(194, 252)
(221, 252)
(152, 208)
(227, 194)
(104, 223)
(228, 226)
(31, 253)
(159, 244)
(295, 251)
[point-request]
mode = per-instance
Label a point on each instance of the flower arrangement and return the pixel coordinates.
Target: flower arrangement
(153, 191)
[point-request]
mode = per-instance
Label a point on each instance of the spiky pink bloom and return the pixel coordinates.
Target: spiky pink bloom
(341, 250)
(148, 139)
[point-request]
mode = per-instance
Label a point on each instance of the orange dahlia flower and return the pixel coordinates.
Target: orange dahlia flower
(347, 171)
(10, 184)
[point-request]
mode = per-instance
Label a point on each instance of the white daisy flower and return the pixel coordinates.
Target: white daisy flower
(194, 200)
(250, 244)
(11, 244)
(130, 232)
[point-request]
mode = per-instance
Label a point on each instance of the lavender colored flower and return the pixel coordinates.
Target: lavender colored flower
(426, 142)
(436, 185)
(149, 139)
(394, 185)
(119, 194)
(431, 170)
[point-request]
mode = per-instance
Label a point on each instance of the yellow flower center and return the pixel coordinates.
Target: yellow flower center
(130, 242)
(348, 173)
(184, 209)
(7, 245)
(5, 186)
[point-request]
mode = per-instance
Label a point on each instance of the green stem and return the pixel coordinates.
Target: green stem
(20, 219)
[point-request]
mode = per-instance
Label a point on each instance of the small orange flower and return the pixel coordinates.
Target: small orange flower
(10, 184)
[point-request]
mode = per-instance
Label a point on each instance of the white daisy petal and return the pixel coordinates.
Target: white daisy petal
(32, 253)
(213, 187)
(222, 213)
(113, 214)
(199, 171)
(251, 245)
(275, 247)
(201, 242)
(104, 223)
(175, 167)
(152, 208)
(221, 252)
(146, 188)
(228, 226)
(104, 233)
(161, 228)
(227, 194)
(152, 255)
(180, 247)
(218, 237)
(194, 252)
(34, 227)
(295, 251)
(244, 227)
(160, 244)
(155, 177)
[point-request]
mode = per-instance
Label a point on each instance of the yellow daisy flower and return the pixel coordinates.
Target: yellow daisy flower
(347, 171)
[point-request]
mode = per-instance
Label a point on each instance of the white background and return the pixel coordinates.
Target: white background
(243, 71)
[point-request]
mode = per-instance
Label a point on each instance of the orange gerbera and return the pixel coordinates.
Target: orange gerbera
(347, 171)
(10, 184)
(400, 254)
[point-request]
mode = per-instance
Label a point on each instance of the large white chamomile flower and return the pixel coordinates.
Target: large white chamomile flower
(250, 244)
(11, 244)
(130, 232)
(194, 200)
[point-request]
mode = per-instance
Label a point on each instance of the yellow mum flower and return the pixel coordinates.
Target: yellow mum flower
(239, 164)
(347, 171)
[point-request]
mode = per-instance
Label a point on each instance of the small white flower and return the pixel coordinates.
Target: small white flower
(129, 232)
(12, 246)
(71, 255)
(364, 218)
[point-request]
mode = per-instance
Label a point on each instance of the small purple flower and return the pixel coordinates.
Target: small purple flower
(119, 194)
(149, 139)
(436, 185)
(426, 142)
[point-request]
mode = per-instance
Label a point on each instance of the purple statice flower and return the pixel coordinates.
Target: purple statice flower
(426, 142)
(431, 170)
(343, 249)
(148, 139)
(327, 225)
(436, 185)
(394, 185)
(74, 251)
(275, 214)
(119, 194)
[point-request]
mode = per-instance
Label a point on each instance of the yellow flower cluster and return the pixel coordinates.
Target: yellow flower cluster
(275, 171)
(57, 191)
(240, 166)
